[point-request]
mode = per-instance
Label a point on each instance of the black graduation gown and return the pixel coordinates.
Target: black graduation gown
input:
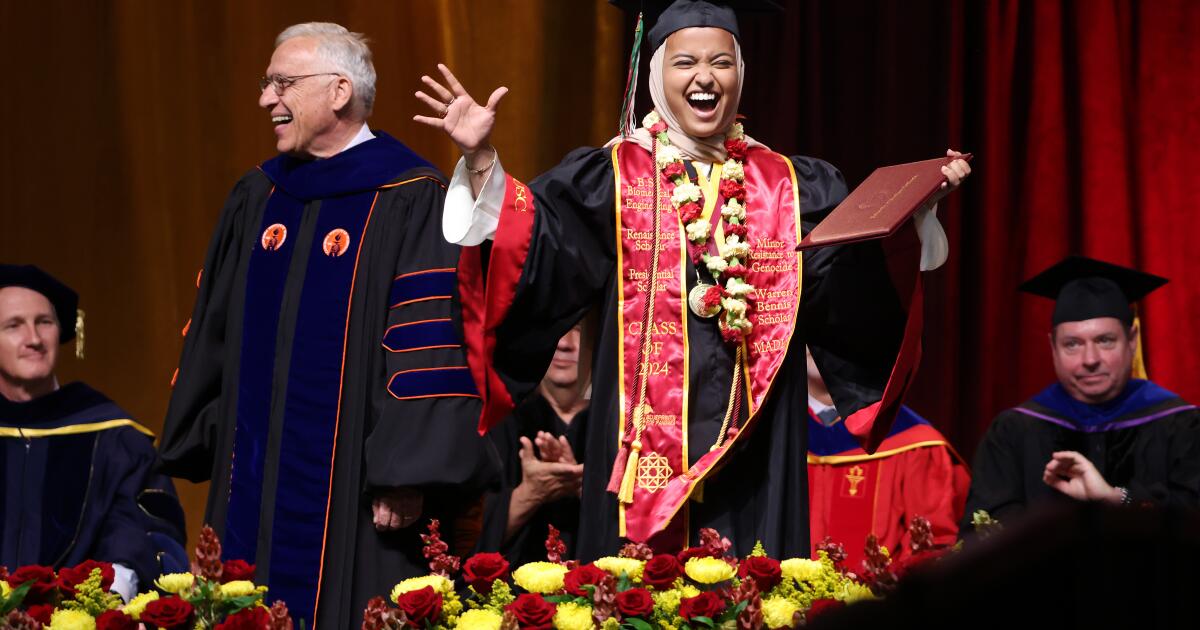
(324, 361)
(79, 484)
(851, 316)
(1150, 447)
(529, 543)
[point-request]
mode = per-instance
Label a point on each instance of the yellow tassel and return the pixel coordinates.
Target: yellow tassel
(626, 493)
(1139, 361)
(79, 333)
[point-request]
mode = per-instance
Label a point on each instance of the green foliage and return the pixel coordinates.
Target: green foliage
(91, 598)
(14, 599)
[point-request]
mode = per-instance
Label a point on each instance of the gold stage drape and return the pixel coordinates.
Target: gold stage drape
(128, 121)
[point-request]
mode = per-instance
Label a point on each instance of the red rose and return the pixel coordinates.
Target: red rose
(116, 620)
(482, 569)
(421, 605)
(706, 604)
(70, 578)
(689, 212)
(732, 190)
(43, 583)
(252, 618)
(764, 571)
(821, 606)
(234, 570)
(661, 571)
(532, 612)
(658, 127)
(574, 580)
(167, 612)
(736, 149)
(636, 602)
(41, 612)
(673, 170)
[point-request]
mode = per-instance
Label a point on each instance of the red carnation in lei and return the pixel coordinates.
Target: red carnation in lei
(763, 570)
(730, 334)
(117, 620)
(712, 300)
(658, 127)
(532, 612)
(736, 149)
(706, 604)
(482, 569)
(732, 190)
(661, 571)
(234, 570)
(736, 229)
(69, 578)
(673, 170)
(421, 606)
(252, 618)
(167, 612)
(43, 585)
(575, 579)
(689, 212)
(735, 271)
(635, 602)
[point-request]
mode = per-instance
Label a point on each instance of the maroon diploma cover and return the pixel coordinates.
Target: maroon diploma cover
(881, 204)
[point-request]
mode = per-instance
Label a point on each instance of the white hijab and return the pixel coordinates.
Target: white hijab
(710, 149)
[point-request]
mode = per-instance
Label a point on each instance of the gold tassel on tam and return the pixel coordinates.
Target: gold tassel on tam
(1139, 361)
(627, 481)
(79, 333)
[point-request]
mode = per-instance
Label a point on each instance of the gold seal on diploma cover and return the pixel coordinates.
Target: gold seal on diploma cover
(696, 301)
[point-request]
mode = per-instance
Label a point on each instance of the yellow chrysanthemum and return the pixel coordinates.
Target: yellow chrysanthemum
(616, 566)
(238, 588)
(709, 570)
(778, 612)
(72, 620)
(572, 616)
(480, 619)
(540, 577)
(854, 592)
(689, 591)
(175, 582)
(801, 569)
(5, 589)
(136, 605)
(439, 584)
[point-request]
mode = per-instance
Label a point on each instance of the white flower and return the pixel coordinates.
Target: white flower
(697, 231)
(733, 170)
(737, 288)
(733, 209)
(684, 193)
(667, 154)
(652, 119)
(736, 131)
(716, 265)
(734, 308)
(737, 250)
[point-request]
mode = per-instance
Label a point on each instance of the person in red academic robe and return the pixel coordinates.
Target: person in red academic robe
(852, 494)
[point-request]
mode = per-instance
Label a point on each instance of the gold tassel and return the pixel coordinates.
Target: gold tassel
(1139, 361)
(79, 333)
(626, 493)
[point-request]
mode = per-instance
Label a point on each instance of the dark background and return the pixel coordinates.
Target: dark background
(127, 122)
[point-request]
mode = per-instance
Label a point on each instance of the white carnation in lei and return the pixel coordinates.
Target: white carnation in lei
(733, 170)
(736, 287)
(716, 265)
(736, 131)
(733, 209)
(667, 154)
(697, 231)
(737, 250)
(684, 193)
(735, 307)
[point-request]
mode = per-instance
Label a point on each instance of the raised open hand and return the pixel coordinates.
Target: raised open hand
(468, 123)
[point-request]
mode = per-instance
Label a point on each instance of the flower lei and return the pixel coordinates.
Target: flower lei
(732, 300)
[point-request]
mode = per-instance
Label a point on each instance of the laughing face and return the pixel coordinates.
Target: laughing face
(700, 78)
(305, 114)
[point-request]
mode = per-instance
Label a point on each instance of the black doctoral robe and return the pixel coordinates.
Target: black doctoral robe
(529, 543)
(79, 484)
(323, 362)
(850, 315)
(1147, 441)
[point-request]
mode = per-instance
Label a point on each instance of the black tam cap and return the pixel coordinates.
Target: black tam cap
(1086, 288)
(64, 300)
(680, 14)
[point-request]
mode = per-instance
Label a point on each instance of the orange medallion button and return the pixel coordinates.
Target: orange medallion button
(274, 236)
(336, 242)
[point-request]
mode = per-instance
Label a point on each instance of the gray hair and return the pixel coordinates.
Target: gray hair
(347, 51)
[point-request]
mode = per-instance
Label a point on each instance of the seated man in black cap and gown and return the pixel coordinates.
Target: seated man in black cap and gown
(77, 470)
(1098, 433)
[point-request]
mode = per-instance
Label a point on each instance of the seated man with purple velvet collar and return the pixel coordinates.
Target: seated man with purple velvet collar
(1098, 434)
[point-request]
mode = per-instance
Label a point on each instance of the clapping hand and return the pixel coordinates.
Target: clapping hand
(1075, 476)
(555, 475)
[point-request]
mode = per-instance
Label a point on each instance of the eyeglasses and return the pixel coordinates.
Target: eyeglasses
(282, 83)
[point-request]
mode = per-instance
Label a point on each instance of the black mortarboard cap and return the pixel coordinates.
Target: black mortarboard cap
(64, 300)
(668, 17)
(1086, 288)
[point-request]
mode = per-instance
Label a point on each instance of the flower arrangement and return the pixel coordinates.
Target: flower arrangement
(216, 595)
